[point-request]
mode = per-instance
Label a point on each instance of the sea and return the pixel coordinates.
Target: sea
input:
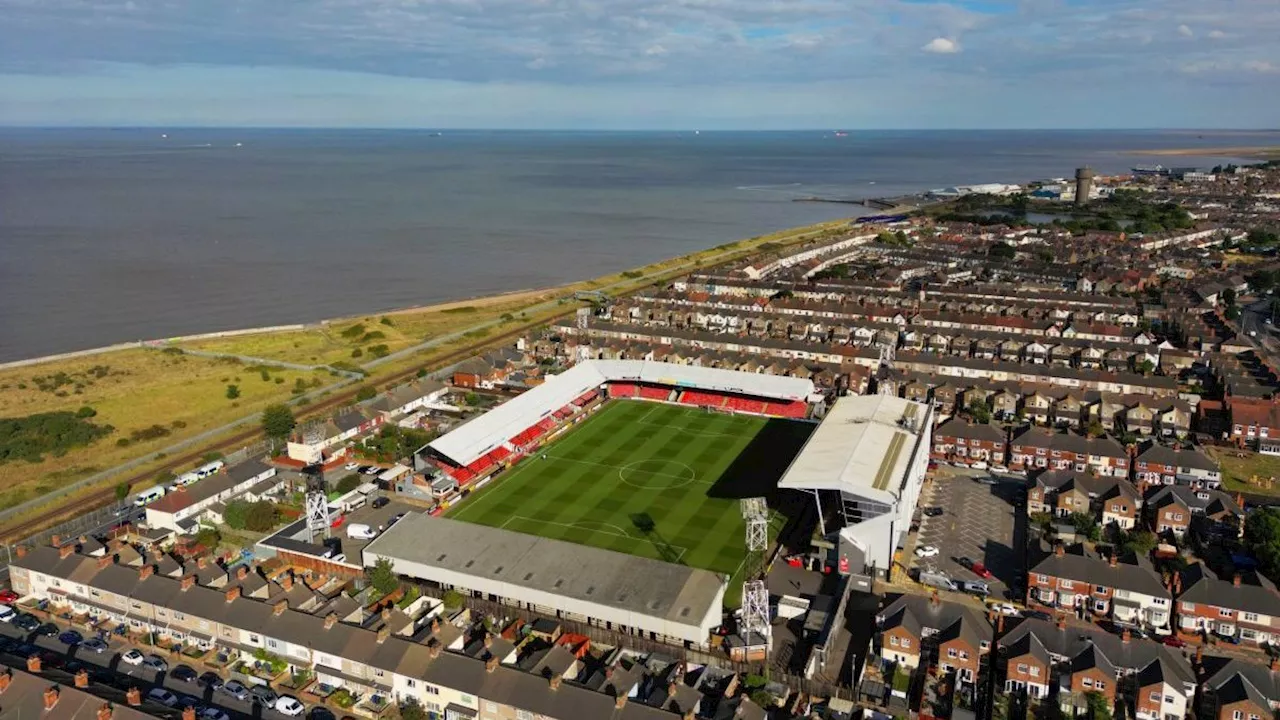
(116, 235)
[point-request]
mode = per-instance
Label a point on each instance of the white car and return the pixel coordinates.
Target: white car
(927, 551)
(1005, 609)
(289, 705)
(162, 696)
(980, 465)
(133, 657)
(214, 713)
(350, 466)
(6, 613)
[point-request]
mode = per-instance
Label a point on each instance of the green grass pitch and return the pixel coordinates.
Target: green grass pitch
(648, 479)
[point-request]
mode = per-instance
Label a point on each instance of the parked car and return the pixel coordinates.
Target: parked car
(184, 673)
(979, 465)
(214, 713)
(71, 638)
(1005, 609)
(162, 696)
(1174, 641)
(132, 657)
(1038, 615)
(976, 587)
(211, 680)
(933, 511)
(263, 695)
(8, 597)
(7, 614)
(289, 705)
(97, 645)
(987, 480)
(47, 630)
(926, 551)
(26, 621)
(321, 713)
(350, 466)
(236, 689)
(981, 571)
(380, 501)
(155, 662)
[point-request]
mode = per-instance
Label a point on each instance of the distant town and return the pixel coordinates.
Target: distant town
(1002, 451)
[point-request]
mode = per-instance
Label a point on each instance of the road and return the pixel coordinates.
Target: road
(1253, 323)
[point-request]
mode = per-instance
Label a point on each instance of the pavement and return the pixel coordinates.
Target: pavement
(111, 678)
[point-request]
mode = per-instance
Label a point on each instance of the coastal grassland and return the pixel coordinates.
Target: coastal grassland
(647, 479)
(1238, 472)
(151, 399)
(1255, 152)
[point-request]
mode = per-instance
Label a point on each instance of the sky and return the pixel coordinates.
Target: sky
(642, 64)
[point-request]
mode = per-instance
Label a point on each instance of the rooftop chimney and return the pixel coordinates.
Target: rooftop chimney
(6, 677)
(187, 582)
(200, 562)
(279, 608)
(106, 560)
(1124, 636)
(242, 572)
(50, 698)
(1062, 621)
(286, 582)
(82, 679)
(233, 593)
(491, 664)
(20, 551)
(1199, 655)
(999, 623)
(1059, 550)
(330, 620)
(555, 682)
(433, 648)
(383, 633)
(1275, 663)
(488, 640)
(1235, 579)
(33, 664)
(435, 625)
(1114, 559)
(620, 701)
(56, 541)
(133, 697)
(66, 550)
(104, 712)
(189, 713)
(934, 600)
(386, 614)
(146, 571)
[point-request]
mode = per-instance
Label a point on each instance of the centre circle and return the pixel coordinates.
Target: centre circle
(655, 474)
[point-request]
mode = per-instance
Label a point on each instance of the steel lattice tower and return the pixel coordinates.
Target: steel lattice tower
(755, 592)
(317, 515)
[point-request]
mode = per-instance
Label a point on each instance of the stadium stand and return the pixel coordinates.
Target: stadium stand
(586, 398)
(746, 405)
(702, 399)
(622, 389)
(649, 392)
(795, 409)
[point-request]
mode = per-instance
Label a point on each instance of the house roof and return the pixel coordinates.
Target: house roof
(1257, 595)
(955, 427)
(1203, 500)
(917, 613)
(1165, 455)
(1233, 679)
(1134, 573)
(1069, 641)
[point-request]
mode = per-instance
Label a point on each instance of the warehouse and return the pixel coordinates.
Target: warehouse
(648, 598)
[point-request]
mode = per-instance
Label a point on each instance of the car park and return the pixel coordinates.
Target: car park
(155, 662)
(163, 696)
(132, 657)
(211, 680)
(289, 705)
(263, 695)
(184, 673)
(97, 645)
(926, 551)
(71, 638)
(236, 689)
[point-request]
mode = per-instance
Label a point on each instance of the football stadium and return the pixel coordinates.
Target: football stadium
(610, 494)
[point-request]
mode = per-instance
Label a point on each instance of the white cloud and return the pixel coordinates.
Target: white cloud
(1260, 66)
(1185, 31)
(1216, 34)
(942, 46)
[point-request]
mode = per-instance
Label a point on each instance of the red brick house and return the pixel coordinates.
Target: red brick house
(1037, 449)
(1236, 689)
(1246, 609)
(1178, 509)
(1253, 420)
(917, 631)
(960, 441)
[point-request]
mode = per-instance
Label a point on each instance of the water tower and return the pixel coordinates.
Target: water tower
(1084, 185)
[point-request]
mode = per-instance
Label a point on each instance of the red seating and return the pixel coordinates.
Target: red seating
(586, 398)
(702, 399)
(792, 409)
(655, 393)
(745, 405)
(620, 389)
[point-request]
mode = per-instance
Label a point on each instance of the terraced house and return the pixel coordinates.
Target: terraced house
(1128, 591)
(1162, 465)
(1235, 689)
(1036, 449)
(1109, 500)
(961, 441)
(1178, 509)
(1244, 608)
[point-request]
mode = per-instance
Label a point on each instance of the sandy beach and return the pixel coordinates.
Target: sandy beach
(1259, 152)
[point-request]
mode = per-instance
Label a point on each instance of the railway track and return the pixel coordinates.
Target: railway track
(105, 496)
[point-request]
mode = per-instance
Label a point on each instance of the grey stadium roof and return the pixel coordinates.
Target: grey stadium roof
(603, 584)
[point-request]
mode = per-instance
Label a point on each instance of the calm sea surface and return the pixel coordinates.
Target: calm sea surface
(116, 235)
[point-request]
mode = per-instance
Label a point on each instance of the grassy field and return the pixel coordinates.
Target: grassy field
(133, 391)
(647, 479)
(1238, 472)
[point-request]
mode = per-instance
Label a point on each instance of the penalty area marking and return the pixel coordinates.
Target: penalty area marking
(584, 525)
(735, 421)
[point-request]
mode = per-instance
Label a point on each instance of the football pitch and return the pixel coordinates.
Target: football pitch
(648, 479)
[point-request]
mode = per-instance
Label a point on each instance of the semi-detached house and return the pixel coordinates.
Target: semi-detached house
(1236, 689)
(915, 631)
(1127, 592)
(1246, 609)
(1062, 493)
(381, 660)
(1039, 449)
(959, 441)
(1162, 465)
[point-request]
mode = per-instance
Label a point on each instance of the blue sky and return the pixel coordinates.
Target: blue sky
(733, 64)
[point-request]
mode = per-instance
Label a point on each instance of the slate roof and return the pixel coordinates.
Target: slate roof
(1133, 573)
(951, 620)
(1068, 642)
(1254, 594)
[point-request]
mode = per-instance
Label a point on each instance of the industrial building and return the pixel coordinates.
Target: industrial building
(650, 598)
(865, 465)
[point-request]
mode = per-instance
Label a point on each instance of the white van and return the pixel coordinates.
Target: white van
(361, 532)
(148, 496)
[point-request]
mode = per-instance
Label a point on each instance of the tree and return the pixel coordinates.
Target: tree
(1095, 429)
(1141, 542)
(1085, 525)
(452, 600)
(1229, 296)
(979, 410)
(278, 421)
(235, 515)
(1232, 313)
(1146, 367)
(382, 576)
(1262, 538)
(411, 710)
(122, 491)
(261, 516)
(1099, 706)
(349, 483)
(1002, 250)
(208, 536)
(233, 392)
(366, 392)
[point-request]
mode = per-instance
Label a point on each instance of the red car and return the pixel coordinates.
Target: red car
(8, 596)
(981, 571)
(337, 522)
(1174, 641)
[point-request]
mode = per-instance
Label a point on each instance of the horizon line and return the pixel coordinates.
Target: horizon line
(689, 129)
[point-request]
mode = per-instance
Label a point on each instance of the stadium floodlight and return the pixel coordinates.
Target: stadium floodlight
(755, 611)
(317, 515)
(755, 511)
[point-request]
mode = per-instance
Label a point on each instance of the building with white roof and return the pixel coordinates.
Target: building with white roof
(865, 465)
